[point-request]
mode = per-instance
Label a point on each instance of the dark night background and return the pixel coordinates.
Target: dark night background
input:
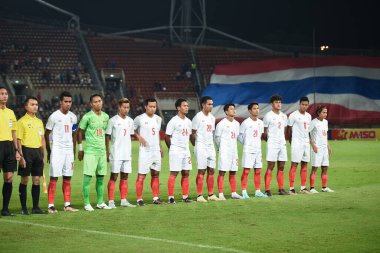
(338, 23)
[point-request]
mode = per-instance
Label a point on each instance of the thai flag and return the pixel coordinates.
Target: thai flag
(349, 86)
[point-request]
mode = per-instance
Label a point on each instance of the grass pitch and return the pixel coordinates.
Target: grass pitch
(345, 221)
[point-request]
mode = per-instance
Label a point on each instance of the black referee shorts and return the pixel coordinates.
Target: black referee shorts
(8, 161)
(34, 162)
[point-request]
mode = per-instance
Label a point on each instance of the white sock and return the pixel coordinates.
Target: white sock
(244, 191)
(257, 191)
(184, 196)
(67, 204)
(291, 188)
(155, 198)
(221, 195)
(50, 205)
(170, 197)
(303, 187)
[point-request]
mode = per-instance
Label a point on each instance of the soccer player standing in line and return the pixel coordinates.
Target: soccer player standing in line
(62, 124)
(93, 125)
(321, 148)
(226, 134)
(9, 154)
(203, 126)
(31, 144)
(119, 130)
(275, 123)
(178, 132)
(147, 129)
(298, 134)
(250, 134)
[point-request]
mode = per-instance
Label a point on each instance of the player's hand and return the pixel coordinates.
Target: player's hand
(18, 156)
(330, 151)
(142, 141)
(162, 154)
(315, 149)
(108, 156)
(80, 155)
(22, 162)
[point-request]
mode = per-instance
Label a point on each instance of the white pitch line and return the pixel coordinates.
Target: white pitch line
(145, 238)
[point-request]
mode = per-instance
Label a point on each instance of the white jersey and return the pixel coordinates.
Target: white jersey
(318, 132)
(205, 126)
(250, 135)
(120, 131)
(149, 129)
(179, 130)
(227, 131)
(276, 124)
(62, 127)
(300, 124)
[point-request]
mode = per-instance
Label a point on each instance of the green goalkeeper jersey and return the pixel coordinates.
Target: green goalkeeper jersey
(94, 126)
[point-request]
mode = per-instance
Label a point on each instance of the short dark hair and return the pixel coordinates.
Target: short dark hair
(304, 99)
(251, 105)
(29, 98)
(121, 101)
(95, 95)
(205, 99)
(179, 102)
(2, 87)
(275, 97)
(225, 108)
(65, 94)
(320, 109)
(150, 100)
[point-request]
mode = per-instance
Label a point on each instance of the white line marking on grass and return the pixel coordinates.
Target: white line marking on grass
(145, 238)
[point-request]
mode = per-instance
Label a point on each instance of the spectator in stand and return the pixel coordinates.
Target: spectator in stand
(188, 74)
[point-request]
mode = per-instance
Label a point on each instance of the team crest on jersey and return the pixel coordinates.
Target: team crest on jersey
(146, 122)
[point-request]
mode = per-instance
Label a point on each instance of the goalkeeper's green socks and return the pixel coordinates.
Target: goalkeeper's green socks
(86, 189)
(100, 188)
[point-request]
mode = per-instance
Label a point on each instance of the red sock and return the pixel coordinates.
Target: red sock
(171, 184)
(111, 189)
(312, 179)
(220, 183)
(292, 176)
(155, 184)
(51, 190)
(199, 182)
(139, 186)
(324, 179)
(280, 179)
(232, 179)
(257, 179)
(185, 185)
(123, 187)
(210, 184)
(303, 174)
(66, 189)
(244, 179)
(268, 178)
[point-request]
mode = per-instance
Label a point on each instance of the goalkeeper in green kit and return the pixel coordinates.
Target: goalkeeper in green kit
(93, 125)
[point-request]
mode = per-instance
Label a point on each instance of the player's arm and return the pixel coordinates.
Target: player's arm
(329, 148)
(192, 136)
(43, 147)
(289, 133)
(241, 134)
(312, 144)
(80, 145)
(168, 140)
(217, 136)
(140, 138)
(265, 134)
(108, 137)
(74, 138)
(47, 143)
(22, 161)
(14, 139)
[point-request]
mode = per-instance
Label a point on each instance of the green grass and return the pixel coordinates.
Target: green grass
(345, 221)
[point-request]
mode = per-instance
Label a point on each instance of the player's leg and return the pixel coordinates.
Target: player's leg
(316, 161)
(324, 179)
(312, 179)
(123, 186)
(155, 169)
(303, 176)
(139, 188)
(101, 171)
(66, 189)
(89, 165)
(296, 155)
(144, 164)
(201, 158)
(247, 163)
(22, 190)
(232, 178)
(280, 178)
(115, 166)
(185, 183)
(221, 184)
(37, 172)
(292, 177)
(171, 185)
(111, 189)
(211, 164)
(51, 194)
(9, 166)
(268, 177)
